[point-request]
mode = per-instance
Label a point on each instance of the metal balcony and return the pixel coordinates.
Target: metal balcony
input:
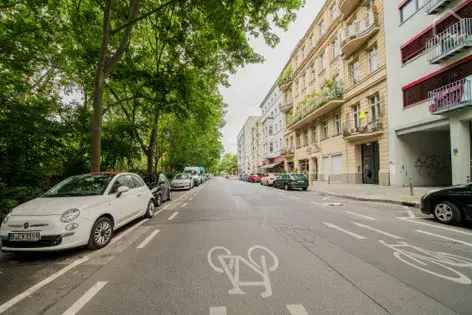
(356, 130)
(450, 97)
(285, 107)
(453, 40)
(358, 33)
(348, 6)
(436, 6)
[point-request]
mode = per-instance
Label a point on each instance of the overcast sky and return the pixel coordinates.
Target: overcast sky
(250, 85)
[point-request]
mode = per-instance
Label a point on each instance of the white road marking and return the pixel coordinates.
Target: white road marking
(218, 310)
(84, 299)
(172, 217)
(5, 306)
(333, 226)
(333, 204)
(297, 309)
(360, 215)
(184, 205)
(411, 215)
(148, 239)
(378, 231)
(128, 231)
(445, 238)
(437, 226)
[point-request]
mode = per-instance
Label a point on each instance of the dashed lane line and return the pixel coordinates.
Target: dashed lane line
(84, 299)
(172, 217)
(360, 215)
(128, 231)
(340, 229)
(297, 309)
(148, 239)
(5, 306)
(378, 231)
(437, 226)
(184, 205)
(445, 238)
(218, 310)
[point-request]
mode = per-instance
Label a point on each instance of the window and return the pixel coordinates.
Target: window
(356, 115)
(271, 147)
(407, 10)
(324, 130)
(271, 131)
(374, 103)
(322, 28)
(354, 71)
(305, 138)
(314, 135)
(337, 123)
(373, 59)
(333, 12)
(321, 63)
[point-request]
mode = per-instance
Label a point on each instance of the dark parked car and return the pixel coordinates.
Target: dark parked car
(291, 181)
(160, 187)
(450, 205)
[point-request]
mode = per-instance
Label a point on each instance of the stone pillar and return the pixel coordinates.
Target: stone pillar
(460, 151)
(312, 167)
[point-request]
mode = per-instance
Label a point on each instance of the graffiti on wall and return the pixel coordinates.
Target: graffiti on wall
(432, 165)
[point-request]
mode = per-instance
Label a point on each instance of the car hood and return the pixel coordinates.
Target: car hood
(56, 205)
(181, 181)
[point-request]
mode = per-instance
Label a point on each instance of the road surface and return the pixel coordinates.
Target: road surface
(229, 247)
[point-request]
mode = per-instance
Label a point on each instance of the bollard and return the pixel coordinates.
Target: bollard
(329, 179)
(411, 187)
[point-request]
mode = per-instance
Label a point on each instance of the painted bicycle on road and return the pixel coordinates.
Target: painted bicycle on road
(439, 264)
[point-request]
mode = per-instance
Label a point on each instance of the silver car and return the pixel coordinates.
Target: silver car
(182, 181)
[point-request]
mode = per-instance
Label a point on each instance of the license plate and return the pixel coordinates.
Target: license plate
(24, 237)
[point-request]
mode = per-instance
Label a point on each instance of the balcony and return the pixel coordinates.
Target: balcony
(358, 131)
(358, 33)
(286, 79)
(453, 40)
(288, 151)
(436, 6)
(285, 107)
(450, 97)
(348, 6)
(313, 148)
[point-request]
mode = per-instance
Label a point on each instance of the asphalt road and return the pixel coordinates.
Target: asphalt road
(229, 247)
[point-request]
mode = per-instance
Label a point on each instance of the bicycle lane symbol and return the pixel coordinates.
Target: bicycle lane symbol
(422, 259)
(222, 261)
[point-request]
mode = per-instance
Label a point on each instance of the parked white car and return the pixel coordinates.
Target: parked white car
(81, 210)
(182, 181)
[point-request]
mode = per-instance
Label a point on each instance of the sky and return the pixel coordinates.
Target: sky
(250, 84)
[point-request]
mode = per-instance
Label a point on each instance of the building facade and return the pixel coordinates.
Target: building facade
(250, 146)
(430, 91)
(334, 96)
(273, 127)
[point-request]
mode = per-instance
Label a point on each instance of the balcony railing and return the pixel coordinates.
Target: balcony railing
(436, 6)
(451, 96)
(451, 41)
(347, 6)
(356, 128)
(355, 34)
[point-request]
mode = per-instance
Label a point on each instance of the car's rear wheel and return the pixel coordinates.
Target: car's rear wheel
(447, 212)
(286, 186)
(101, 234)
(151, 210)
(169, 196)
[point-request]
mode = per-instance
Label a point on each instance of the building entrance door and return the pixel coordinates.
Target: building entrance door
(370, 163)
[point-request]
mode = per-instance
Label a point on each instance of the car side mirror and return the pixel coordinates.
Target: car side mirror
(121, 190)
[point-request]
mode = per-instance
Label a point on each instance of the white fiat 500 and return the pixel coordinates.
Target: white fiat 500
(81, 210)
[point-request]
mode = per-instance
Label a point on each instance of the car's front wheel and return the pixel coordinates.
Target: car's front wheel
(158, 200)
(169, 196)
(286, 186)
(101, 234)
(447, 212)
(151, 209)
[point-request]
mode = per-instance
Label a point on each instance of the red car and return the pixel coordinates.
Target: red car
(254, 178)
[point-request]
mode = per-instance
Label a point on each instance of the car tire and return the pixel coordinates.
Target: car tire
(305, 188)
(101, 234)
(158, 200)
(169, 196)
(151, 210)
(447, 212)
(286, 187)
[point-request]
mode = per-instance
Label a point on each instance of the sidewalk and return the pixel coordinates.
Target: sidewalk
(387, 194)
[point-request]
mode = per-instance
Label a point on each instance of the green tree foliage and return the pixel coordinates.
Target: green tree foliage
(228, 164)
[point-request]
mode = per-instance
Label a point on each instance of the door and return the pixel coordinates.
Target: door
(370, 163)
(325, 168)
(337, 163)
(124, 205)
(141, 194)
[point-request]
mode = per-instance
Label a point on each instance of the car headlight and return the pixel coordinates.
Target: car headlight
(70, 215)
(5, 220)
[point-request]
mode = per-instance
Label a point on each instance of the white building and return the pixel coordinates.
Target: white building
(429, 65)
(273, 129)
(250, 146)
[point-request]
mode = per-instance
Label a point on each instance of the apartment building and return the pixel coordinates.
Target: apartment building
(334, 96)
(429, 64)
(272, 124)
(250, 146)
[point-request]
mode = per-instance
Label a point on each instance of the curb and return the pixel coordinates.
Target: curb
(389, 201)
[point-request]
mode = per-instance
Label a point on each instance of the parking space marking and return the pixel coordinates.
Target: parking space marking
(218, 310)
(84, 299)
(148, 239)
(4, 307)
(360, 215)
(172, 217)
(437, 226)
(445, 238)
(184, 205)
(378, 231)
(340, 229)
(128, 231)
(297, 309)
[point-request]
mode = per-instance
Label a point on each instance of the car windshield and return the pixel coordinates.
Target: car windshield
(298, 176)
(83, 185)
(181, 176)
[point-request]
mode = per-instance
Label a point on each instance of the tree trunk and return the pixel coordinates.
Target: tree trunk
(98, 91)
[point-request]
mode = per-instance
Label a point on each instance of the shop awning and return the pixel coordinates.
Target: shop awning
(271, 165)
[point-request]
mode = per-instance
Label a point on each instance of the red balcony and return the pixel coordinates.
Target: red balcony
(451, 97)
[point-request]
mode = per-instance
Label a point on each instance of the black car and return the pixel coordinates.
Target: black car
(160, 187)
(291, 181)
(449, 205)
